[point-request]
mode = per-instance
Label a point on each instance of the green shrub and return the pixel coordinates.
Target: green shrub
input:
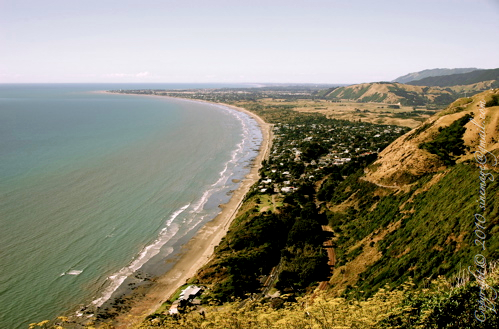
(449, 142)
(493, 102)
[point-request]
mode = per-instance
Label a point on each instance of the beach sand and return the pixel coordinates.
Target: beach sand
(199, 249)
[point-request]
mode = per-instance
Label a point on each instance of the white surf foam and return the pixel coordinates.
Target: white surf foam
(148, 252)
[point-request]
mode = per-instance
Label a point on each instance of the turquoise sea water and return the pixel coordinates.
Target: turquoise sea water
(94, 187)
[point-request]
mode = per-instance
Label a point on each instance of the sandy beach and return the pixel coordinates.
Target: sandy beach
(199, 249)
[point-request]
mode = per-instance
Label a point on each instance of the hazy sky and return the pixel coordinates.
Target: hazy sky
(318, 41)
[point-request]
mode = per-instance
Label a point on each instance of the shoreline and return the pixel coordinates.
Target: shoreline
(199, 249)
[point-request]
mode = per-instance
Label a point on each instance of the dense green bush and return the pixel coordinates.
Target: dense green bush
(493, 102)
(302, 266)
(449, 142)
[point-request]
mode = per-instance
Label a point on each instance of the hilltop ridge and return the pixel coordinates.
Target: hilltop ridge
(404, 156)
(391, 93)
(405, 94)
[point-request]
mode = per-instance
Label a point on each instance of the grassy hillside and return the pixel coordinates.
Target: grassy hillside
(410, 213)
(405, 94)
(426, 232)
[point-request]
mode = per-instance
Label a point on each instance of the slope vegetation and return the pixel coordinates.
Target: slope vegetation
(442, 305)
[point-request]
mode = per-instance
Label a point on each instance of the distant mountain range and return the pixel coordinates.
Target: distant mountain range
(432, 73)
(458, 79)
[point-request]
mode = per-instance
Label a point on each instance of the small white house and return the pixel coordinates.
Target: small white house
(190, 292)
(174, 308)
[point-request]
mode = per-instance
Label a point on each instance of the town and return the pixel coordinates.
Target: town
(306, 152)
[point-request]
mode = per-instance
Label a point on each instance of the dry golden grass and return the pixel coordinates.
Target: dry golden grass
(348, 274)
(367, 90)
(404, 157)
(458, 239)
(351, 202)
(471, 135)
(473, 87)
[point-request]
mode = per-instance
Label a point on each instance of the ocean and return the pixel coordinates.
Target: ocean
(96, 188)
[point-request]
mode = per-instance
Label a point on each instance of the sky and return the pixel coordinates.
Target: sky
(251, 41)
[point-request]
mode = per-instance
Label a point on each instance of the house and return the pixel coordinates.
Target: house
(190, 293)
(188, 296)
(174, 308)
